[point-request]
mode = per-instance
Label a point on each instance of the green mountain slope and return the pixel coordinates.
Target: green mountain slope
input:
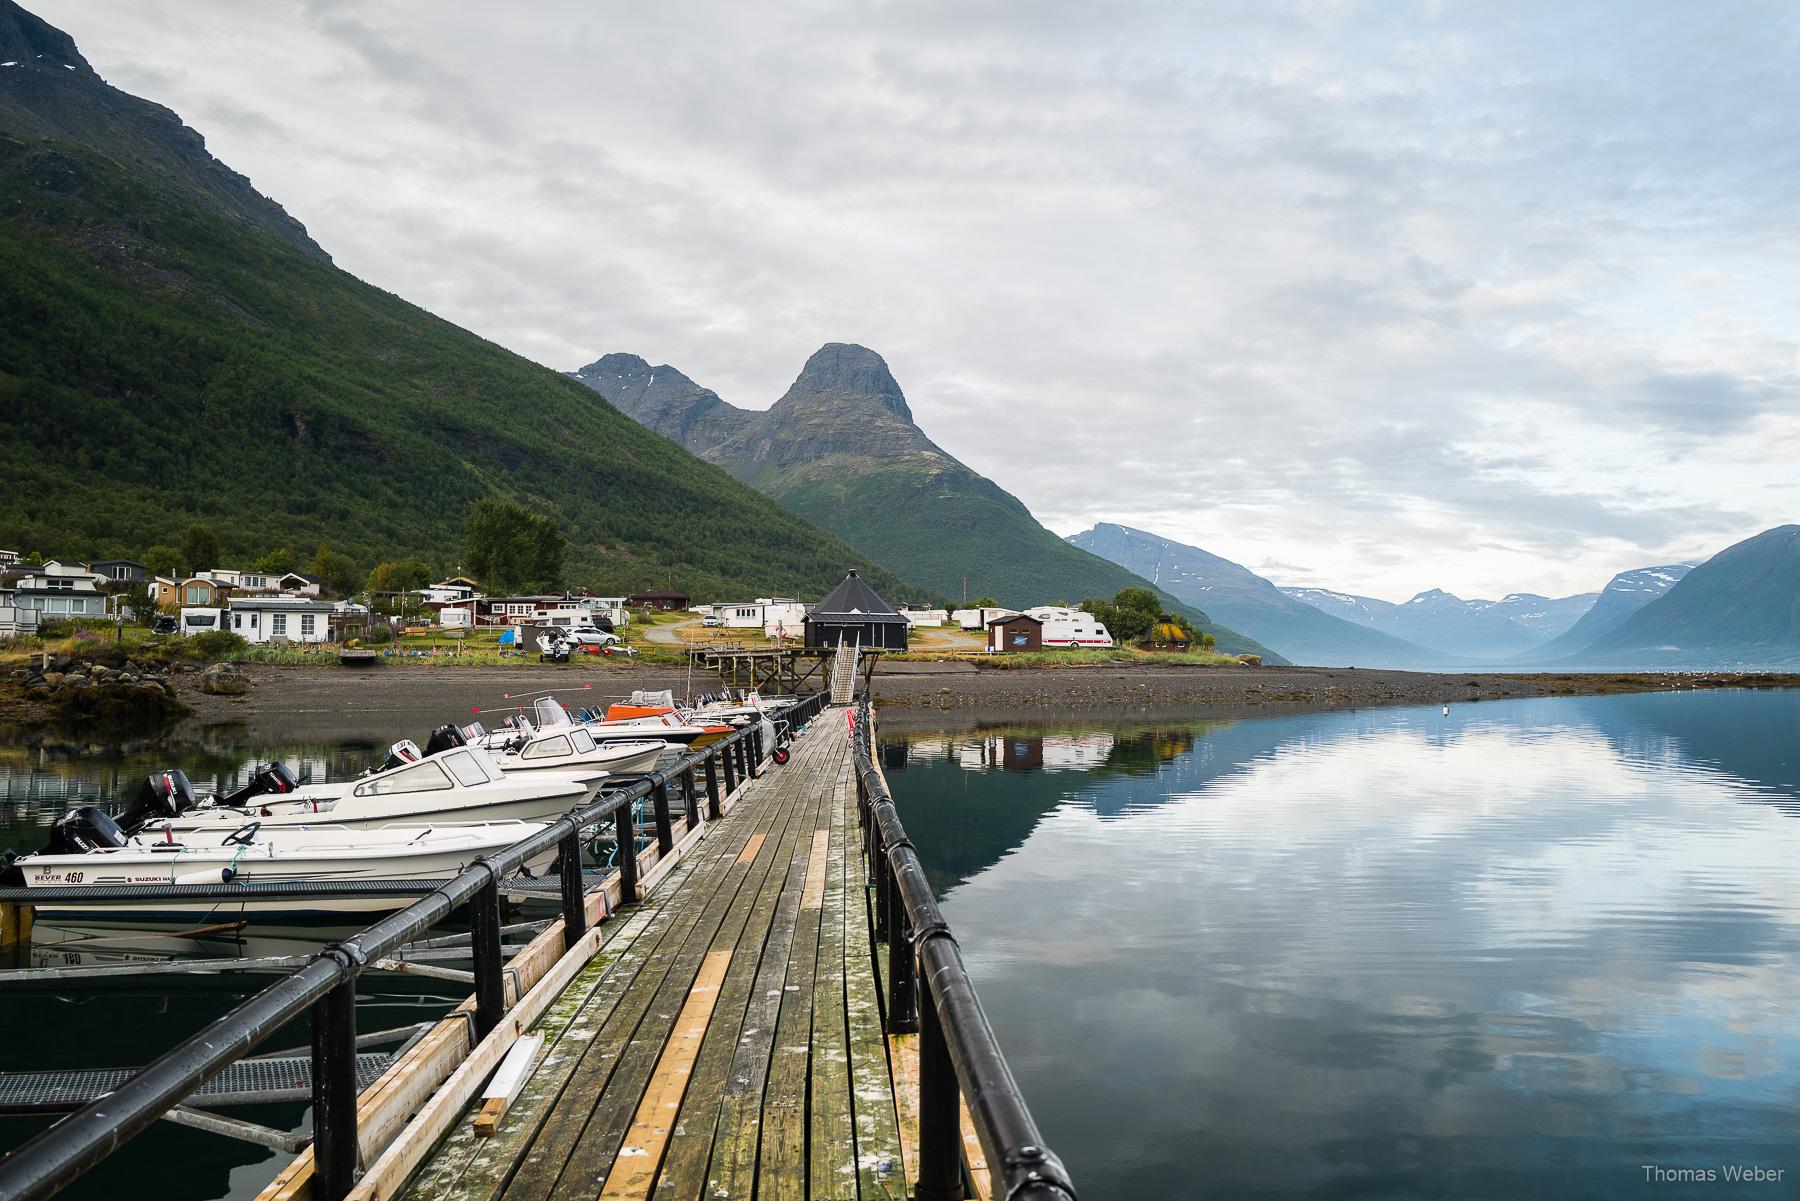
(841, 448)
(168, 357)
(1237, 595)
(1739, 609)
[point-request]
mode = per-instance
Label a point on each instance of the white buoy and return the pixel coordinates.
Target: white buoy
(1446, 710)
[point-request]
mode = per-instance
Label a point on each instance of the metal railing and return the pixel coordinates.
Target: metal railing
(929, 991)
(327, 984)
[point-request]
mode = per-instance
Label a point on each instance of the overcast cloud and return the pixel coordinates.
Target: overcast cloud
(1486, 296)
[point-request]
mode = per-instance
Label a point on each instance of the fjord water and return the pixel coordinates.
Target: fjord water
(1529, 949)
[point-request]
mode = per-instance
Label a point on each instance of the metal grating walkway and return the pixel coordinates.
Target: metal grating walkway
(249, 1081)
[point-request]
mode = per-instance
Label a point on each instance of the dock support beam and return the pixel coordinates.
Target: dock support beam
(712, 790)
(16, 919)
(574, 898)
(690, 798)
(336, 1154)
(659, 805)
(628, 873)
(940, 1112)
(484, 939)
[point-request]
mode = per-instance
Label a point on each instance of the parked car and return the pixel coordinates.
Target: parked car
(165, 623)
(591, 636)
(711, 622)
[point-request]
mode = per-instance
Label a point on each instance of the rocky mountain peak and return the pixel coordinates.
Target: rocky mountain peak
(27, 41)
(839, 370)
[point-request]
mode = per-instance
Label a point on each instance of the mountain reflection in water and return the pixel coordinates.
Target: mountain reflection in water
(1519, 951)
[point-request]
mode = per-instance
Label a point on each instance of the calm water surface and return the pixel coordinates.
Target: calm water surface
(1521, 951)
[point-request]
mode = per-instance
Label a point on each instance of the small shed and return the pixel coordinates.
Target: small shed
(1165, 636)
(855, 613)
(666, 600)
(1020, 632)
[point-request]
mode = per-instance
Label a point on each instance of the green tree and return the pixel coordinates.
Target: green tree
(1130, 615)
(199, 549)
(510, 549)
(390, 581)
(337, 570)
(163, 560)
(984, 602)
(281, 561)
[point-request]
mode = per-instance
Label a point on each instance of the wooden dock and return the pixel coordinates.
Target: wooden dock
(726, 1041)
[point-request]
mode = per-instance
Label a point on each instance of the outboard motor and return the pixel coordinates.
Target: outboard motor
(82, 830)
(445, 738)
(399, 755)
(165, 794)
(274, 779)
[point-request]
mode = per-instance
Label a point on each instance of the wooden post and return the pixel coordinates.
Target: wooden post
(484, 942)
(574, 899)
(337, 1157)
(628, 873)
(712, 790)
(16, 918)
(725, 760)
(940, 1111)
(690, 798)
(659, 805)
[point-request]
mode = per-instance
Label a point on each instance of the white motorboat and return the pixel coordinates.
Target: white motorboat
(667, 726)
(457, 785)
(89, 850)
(523, 747)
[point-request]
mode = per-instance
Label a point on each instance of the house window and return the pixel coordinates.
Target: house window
(237, 621)
(197, 595)
(63, 585)
(306, 625)
(278, 625)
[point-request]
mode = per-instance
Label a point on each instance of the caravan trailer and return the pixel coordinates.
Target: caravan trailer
(1071, 627)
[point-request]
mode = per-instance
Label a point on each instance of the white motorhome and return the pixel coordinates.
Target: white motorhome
(1071, 627)
(977, 619)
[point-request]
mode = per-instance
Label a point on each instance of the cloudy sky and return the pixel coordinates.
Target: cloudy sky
(1484, 296)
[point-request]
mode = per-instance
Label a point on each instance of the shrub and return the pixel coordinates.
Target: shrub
(218, 644)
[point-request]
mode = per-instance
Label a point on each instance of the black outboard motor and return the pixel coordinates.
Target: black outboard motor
(165, 794)
(445, 738)
(274, 779)
(82, 830)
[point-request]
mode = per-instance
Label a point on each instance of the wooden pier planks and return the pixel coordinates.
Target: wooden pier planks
(727, 1043)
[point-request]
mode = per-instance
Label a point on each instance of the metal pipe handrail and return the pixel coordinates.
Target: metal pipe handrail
(930, 991)
(326, 985)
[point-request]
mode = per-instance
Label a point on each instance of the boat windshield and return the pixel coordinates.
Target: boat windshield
(550, 712)
(549, 747)
(418, 777)
(584, 741)
(466, 768)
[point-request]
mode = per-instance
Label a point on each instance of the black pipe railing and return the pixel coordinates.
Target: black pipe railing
(929, 991)
(327, 987)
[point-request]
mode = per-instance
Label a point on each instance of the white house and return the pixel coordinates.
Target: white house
(279, 618)
(784, 617)
(925, 617)
(454, 591)
(8, 558)
(61, 590)
(977, 619)
(776, 616)
(296, 584)
(243, 582)
(14, 620)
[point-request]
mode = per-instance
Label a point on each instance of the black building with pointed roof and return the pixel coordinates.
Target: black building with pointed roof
(855, 613)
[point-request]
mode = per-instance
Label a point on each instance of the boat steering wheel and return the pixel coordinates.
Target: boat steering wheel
(242, 836)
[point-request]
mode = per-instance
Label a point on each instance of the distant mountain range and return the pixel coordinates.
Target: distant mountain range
(1469, 629)
(1623, 595)
(1739, 609)
(1245, 601)
(176, 349)
(841, 448)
